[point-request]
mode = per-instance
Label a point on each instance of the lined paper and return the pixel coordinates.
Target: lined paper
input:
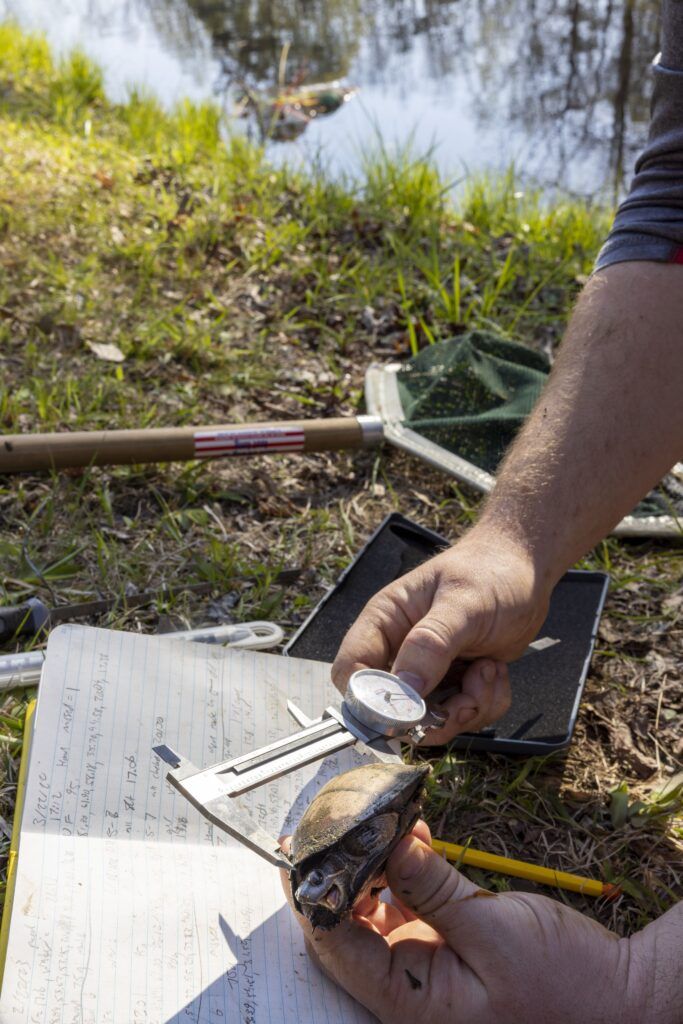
(130, 908)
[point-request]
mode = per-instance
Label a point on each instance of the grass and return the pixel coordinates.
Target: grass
(237, 291)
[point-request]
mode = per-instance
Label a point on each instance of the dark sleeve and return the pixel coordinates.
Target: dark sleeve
(649, 223)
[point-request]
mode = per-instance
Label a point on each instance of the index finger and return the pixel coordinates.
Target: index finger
(373, 639)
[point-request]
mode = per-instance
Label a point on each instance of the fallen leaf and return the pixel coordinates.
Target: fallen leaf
(106, 350)
(46, 323)
(105, 180)
(368, 319)
(577, 795)
(608, 633)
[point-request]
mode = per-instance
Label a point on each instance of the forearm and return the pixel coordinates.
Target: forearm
(608, 425)
(655, 977)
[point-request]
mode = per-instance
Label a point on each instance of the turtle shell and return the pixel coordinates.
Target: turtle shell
(348, 831)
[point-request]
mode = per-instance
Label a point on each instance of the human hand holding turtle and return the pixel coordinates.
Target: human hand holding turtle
(446, 950)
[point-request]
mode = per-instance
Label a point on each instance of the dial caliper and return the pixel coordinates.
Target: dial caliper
(377, 710)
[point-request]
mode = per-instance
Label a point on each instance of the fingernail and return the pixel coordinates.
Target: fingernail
(488, 671)
(408, 859)
(466, 715)
(411, 679)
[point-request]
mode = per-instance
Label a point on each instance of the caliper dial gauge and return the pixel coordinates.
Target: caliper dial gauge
(384, 703)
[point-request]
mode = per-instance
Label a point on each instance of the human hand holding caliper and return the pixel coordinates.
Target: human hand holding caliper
(608, 426)
(478, 601)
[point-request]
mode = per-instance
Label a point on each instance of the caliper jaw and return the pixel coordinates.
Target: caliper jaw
(205, 793)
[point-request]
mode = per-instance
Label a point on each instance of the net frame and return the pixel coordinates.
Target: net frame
(382, 399)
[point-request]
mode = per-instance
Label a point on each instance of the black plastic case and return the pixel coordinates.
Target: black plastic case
(546, 686)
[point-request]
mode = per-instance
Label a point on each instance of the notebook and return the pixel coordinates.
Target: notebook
(128, 905)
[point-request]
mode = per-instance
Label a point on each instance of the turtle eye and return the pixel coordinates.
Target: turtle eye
(313, 886)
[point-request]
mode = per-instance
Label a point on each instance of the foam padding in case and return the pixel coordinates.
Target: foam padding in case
(546, 685)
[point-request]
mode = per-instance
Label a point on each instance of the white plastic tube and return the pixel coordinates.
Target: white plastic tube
(24, 669)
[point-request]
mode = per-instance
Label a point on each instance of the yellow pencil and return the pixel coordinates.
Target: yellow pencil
(14, 841)
(520, 869)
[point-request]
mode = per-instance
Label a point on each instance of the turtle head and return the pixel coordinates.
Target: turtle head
(335, 881)
(323, 886)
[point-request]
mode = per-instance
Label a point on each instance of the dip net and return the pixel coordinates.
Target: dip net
(460, 403)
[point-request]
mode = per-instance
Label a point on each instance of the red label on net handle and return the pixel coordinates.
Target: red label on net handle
(248, 441)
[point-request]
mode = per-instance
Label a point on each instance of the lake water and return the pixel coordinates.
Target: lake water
(560, 88)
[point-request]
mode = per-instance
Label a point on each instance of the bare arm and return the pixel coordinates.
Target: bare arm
(608, 425)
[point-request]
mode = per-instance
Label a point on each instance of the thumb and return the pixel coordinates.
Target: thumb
(427, 884)
(432, 645)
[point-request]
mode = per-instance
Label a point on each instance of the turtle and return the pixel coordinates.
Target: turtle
(343, 841)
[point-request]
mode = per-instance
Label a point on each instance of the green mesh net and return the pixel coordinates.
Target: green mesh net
(471, 394)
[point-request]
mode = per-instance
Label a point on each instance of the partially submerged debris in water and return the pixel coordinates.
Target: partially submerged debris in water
(285, 115)
(344, 839)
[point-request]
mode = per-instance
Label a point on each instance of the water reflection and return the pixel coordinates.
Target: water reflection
(578, 71)
(562, 86)
(322, 36)
(574, 70)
